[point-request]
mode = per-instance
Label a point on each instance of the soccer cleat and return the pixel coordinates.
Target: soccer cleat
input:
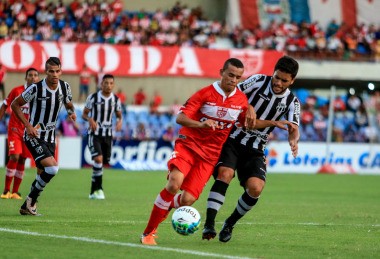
(208, 232)
(226, 232)
(29, 207)
(97, 195)
(148, 239)
(6, 195)
(16, 196)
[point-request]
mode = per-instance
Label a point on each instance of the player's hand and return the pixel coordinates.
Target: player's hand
(119, 125)
(92, 124)
(210, 124)
(294, 147)
(250, 118)
(285, 125)
(32, 131)
(73, 117)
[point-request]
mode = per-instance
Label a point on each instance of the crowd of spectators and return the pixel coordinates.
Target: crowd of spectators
(355, 119)
(100, 21)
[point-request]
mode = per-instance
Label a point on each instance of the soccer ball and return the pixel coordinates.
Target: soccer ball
(186, 220)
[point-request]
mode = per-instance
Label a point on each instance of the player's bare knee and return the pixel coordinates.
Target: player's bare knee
(225, 174)
(187, 199)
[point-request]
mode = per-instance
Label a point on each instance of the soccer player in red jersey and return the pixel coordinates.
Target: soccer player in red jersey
(18, 152)
(207, 118)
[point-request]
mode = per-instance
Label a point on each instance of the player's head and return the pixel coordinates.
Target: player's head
(52, 61)
(31, 76)
(231, 74)
(285, 72)
(53, 71)
(108, 83)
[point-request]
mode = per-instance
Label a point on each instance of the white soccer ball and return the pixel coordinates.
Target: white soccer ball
(186, 220)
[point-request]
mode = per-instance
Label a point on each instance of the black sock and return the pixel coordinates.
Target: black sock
(39, 184)
(245, 204)
(215, 201)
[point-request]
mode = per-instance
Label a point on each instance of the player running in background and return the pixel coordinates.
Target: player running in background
(102, 105)
(207, 118)
(244, 149)
(45, 100)
(17, 150)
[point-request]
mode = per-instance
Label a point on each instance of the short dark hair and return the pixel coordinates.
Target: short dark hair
(288, 65)
(234, 62)
(30, 69)
(108, 76)
(52, 61)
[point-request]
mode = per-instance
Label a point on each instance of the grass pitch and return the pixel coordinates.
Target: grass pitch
(298, 216)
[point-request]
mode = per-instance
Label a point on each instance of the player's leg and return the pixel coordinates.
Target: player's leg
(14, 151)
(161, 206)
(252, 175)
(223, 174)
(179, 166)
(9, 175)
(95, 146)
(20, 171)
(47, 168)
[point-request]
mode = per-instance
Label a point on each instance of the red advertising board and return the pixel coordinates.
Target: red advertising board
(123, 60)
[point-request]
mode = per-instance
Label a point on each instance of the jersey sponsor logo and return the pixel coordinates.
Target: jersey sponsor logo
(266, 98)
(221, 112)
(43, 98)
(281, 107)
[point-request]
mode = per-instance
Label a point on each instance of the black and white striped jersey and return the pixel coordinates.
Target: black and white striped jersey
(268, 106)
(45, 105)
(102, 110)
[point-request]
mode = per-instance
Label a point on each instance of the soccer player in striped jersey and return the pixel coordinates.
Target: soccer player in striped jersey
(207, 118)
(99, 110)
(244, 149)
(18, 152)
(45, 99)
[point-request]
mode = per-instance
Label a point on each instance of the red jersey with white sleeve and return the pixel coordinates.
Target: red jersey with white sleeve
(14, 122)
(212, 103)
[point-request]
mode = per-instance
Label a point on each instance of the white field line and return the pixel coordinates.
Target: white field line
(106, 242)
(137, 222)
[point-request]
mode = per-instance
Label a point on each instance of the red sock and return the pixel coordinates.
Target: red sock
(18, 177)
(17, 181)
(160, 210)
(176, 202)
(10, 172)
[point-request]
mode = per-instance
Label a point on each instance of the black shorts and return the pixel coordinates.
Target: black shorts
(100, 146)
(246, 161)
(40, 149)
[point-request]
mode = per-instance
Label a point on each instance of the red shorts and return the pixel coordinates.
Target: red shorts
(197, 171)
(16, 144)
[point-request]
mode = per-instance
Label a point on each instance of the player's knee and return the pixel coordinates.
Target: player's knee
(187, 199)
(255, 187)
(225, 174)
(52, 170)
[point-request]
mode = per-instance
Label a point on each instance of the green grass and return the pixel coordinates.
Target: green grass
(298, 216)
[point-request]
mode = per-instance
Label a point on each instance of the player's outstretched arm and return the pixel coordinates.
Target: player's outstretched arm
(294, 137)
(185, 121)
(261, 124)
(16, 108)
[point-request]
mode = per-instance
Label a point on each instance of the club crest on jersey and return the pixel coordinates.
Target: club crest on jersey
(221, 112)
(281, 107)
(60, 97)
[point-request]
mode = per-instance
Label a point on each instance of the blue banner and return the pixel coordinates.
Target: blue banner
(133, 155)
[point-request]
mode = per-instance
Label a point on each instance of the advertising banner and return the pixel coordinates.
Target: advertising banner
(133, 155)
(124, 60)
